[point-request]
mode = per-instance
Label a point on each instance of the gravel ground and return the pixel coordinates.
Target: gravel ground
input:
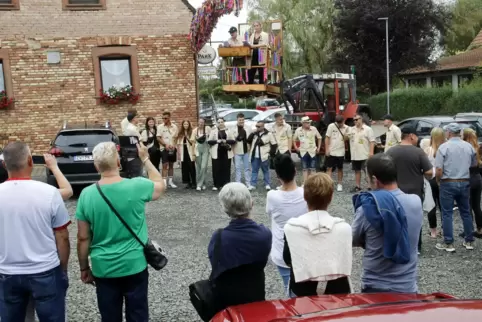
(183, 221)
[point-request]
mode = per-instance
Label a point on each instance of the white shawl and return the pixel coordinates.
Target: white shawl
(320, 246)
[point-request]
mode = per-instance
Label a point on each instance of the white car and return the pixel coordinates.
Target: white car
(267, 117)
(231, 116)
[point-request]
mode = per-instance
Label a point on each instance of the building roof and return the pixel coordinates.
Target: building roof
(477, 42)
(468, 59)
(189, 6)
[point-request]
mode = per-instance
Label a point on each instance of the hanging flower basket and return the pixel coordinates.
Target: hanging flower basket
(5, 101)
(116, 95)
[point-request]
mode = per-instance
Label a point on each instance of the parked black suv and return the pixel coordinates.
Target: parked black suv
(72, 147)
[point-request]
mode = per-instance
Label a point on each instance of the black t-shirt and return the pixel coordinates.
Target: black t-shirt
(411, 162)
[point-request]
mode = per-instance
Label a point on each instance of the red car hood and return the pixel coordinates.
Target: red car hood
(357, 308)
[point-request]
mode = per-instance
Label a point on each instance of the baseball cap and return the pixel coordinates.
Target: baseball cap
(453, 128)
(408, 130)
(305, 119)
(233, 29)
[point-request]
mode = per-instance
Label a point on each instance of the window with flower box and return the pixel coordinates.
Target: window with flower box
(6, 85)
(83, 4)
(115, 67)
(9, 4)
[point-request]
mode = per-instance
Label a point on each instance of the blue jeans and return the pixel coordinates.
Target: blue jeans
(111, 293)
(241, 163)
(256, 163)
(458, 192)
(308, 162)
(285, 275)
(48, 290)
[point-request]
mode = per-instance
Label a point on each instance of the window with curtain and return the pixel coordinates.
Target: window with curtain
(2, 77)
(115, 73)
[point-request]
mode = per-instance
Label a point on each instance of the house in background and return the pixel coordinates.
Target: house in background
(57, 56)
(455, 70)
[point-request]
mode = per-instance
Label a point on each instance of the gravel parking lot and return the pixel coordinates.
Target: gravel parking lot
(183, 221)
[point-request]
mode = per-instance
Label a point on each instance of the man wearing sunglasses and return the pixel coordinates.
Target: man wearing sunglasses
(362, 145)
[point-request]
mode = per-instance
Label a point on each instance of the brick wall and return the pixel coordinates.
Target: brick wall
(46, 95)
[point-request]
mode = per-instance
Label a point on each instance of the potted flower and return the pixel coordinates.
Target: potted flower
(5, 101)
(117, 94)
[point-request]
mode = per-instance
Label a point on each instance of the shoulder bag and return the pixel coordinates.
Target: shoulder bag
(153, 252)
(201, 292)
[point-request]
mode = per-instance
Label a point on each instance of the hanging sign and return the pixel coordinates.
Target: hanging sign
(206, 55)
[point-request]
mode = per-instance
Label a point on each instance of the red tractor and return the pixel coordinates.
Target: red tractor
(322, 97)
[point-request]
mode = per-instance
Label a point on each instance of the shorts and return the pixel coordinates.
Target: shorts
(358, 165)
(308, 162)
(169, 156)
(333, 162)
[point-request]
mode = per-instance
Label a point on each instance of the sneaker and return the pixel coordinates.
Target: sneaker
(171, 184)
(456, 208)
(468, 245)
(251, 188)
(215, 189)
(268, 188)
(339, 188)
(198, 188)
(204, 187)
(447, 247)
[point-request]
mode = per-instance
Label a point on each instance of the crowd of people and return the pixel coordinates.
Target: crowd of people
(311, 248)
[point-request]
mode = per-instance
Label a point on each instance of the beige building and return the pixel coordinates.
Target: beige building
(455, 70)
(57, 56)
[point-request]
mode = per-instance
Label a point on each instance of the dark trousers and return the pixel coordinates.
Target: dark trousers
(48, 290)
(475, 192)
(252, 75)
(155, 157)
(188, 169)
(134, 168)
(112, 292)
(221, 170)
(432, 214)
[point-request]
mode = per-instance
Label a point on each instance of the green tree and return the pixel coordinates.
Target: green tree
(465, 24)
(307, 32)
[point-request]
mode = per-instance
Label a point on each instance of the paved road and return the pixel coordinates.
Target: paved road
(183, 221)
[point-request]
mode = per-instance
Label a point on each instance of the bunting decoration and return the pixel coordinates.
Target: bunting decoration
(206, 17)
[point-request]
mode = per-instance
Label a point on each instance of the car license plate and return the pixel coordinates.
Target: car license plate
(83, 158)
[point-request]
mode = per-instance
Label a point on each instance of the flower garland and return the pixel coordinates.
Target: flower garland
(206, 18)
(115, 95)
(5, 101)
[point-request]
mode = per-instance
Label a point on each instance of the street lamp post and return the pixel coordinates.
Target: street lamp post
(388, 64)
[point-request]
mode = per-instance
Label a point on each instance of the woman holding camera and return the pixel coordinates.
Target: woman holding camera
(220, 141)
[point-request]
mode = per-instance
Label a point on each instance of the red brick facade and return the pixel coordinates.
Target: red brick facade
(46, 95)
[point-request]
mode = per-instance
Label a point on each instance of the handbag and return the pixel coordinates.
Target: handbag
(201, 292)
(152, 251)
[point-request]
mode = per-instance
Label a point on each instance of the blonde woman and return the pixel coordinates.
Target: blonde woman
(437, 137)
(258, 41)
(475, 182)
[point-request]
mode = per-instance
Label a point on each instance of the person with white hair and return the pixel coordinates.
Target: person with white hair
(119, 266)
(239, 252)
(34, 242)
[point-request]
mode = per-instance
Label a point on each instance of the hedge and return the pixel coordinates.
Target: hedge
(413, 102)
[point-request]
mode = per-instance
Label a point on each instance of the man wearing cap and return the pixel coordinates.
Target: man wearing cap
(335, 148)
(452, 163)
(362, 145)
(234, 41)
(393, 135)
(310, 146)
(412, 164)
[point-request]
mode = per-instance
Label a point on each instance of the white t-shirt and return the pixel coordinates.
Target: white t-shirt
(280, 207)
(132, 130)
(30, 211)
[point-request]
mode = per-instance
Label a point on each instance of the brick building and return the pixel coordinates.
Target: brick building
(57, 55)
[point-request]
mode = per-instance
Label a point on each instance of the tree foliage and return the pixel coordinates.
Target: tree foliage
(414, 27)
(307, 31)
(465, 24)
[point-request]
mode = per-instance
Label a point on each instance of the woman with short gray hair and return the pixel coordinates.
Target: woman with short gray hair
(242, 250)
